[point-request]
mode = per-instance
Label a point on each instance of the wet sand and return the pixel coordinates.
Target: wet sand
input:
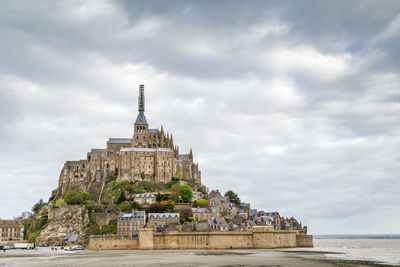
(287, 257)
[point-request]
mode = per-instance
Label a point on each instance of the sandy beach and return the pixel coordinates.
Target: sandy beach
(286, 257)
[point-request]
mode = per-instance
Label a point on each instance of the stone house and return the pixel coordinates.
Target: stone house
(11, 230)
(218, 224)
(145, 199)
(130, 223)
(164, 219)
(201, 214)
(275, 218)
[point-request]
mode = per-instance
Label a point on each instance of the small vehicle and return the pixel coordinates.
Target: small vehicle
(68, 249)
(43, 245)
(78, 247)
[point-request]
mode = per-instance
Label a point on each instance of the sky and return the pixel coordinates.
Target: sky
(294, 105)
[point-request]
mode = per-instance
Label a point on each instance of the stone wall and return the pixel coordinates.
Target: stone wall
(203, 240)
(103, 218)
(305, 241)
(112, 242)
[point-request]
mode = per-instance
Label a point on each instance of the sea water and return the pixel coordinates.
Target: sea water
(379, 250)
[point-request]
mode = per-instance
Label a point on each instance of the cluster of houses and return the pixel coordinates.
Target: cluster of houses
(11, 230)
(220, 214)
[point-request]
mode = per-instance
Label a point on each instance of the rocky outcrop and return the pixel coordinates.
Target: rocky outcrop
(64, 221)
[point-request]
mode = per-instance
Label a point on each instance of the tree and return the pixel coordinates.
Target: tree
(156, 207)
(125, 206)
(185, 213)
(233, 197)
(186, 193)
(38, 206)
(121, 198)
(169, 205)
(136, 206)
(174, 192)
(178, 171)
(202, 203)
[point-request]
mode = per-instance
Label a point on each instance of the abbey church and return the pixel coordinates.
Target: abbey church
(149, 155)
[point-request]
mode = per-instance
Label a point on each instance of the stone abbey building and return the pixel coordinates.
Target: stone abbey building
(150, 154)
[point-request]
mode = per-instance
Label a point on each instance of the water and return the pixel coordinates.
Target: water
(379, 250)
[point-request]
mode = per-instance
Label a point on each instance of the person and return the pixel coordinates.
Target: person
(4, 250)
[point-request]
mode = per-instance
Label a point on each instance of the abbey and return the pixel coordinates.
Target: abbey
(149, 155)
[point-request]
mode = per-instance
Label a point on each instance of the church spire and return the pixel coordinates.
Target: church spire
(141, 98)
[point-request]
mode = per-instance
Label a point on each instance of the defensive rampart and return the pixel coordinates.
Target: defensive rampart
(203, 240)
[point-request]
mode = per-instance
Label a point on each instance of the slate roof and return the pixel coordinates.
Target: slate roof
(153, 130)
(127, 149)
(119, 140)
(144, 195)
(141, 118)
(160, 215)
(184, 156)
(73, 238)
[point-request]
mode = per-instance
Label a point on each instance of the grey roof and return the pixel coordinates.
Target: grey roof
(184, 156)
(160, 215)
(201, 210)
(202, 226)
(73, 238)
(127, 149)
(144, 195)
(141, 118)
(119, 140)
(153, 130)
(139, 215)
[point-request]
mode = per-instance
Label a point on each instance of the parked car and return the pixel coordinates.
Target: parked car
(78, 247)
(43, 245)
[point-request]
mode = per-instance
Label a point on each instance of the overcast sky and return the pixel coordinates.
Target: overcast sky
(294, 105)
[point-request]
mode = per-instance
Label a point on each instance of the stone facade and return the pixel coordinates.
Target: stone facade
(258, 238)
(129, 224)
(150, 154)
(11, 230)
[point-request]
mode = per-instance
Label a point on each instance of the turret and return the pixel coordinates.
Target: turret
(191, 154)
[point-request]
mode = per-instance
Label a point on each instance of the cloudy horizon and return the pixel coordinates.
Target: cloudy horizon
(293, 105)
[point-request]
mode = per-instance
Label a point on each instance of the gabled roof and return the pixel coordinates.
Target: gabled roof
(119, 140)
(144, 195)
(73, 238)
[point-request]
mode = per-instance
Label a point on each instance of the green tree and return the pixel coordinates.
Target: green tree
(233, 197)
(174, 196)
(142, 175)
(178, 171)
(136, 206)
(202, 203)
(186, 193)
(125, 207)
(169, 205)
(38, 206)
(121, 198)
(60, 203)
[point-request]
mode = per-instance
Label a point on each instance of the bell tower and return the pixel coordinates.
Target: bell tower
(141, 128)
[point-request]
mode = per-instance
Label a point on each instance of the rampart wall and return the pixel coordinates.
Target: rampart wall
(203, 240)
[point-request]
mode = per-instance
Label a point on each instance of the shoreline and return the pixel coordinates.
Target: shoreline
(206, 257)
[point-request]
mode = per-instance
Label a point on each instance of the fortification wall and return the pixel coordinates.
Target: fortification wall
(103, 218)
(203, 240)
(305, 241)
(112, 242)
(56, 212)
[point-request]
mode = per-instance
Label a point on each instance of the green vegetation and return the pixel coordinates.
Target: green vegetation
(33, 235)
(179, 172)
(186, 213)
(76, 197)
(112, 177)
(233, 197)
(202, 203)
(186, 193)
(169, 206)
(142, 175)
(201, 189)
(125, 207)
(60, 203)
(156, 207)
(38, 206)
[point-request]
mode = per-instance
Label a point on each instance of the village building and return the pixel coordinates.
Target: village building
(218, 224)
(130, 223)
(164, 219)
(145, 200)
(11, 230)
(201, 214)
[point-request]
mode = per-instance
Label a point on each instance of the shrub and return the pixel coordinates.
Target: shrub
(202, 203)
(168, 205)
(186, 193)
(60, 203)
(156, 207)
(76, 197)
(125, 207)
(186, 212)
(136, 206)
(33, 235)
(42, 222)
(111, 228)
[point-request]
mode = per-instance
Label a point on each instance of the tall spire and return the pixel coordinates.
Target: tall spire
(141, 118)
(141, 98)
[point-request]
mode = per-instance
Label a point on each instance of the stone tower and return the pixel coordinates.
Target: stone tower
(141, 128)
